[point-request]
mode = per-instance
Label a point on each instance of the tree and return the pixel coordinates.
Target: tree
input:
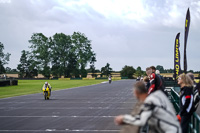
(169, 70)
(41, 52)
(127, 71)
(4, 58)
(139, 71)
(106, 70)
(61, 46)
(27, 67)
(92, 65)
(12, 71)
(62, 55)
(191, 71)
(82, 50)
(160, 68)
(8, 69)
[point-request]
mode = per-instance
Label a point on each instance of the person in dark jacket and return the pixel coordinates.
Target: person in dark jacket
(186, 101)
(161, 77)
(192, 77)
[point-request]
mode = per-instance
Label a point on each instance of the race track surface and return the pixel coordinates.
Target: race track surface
(89, 109)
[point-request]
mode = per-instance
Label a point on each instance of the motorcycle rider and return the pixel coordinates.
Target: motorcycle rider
(110, 79)
(46, 84)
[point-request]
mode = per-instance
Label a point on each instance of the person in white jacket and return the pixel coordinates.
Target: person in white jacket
(156, 111)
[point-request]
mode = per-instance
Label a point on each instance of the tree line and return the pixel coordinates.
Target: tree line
(63, 55)
(59, 55)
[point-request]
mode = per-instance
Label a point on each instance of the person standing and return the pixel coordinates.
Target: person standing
(191, 75)
(163, 81)
(186, 101)
(155, 81)
(160, 76)
(153, 69)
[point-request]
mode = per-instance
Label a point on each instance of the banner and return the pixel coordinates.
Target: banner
(187, 26)
(177, 65)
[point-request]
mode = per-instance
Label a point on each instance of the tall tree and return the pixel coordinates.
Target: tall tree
(92, 65)
(106, 70)
(4, 58)
(41, 52)
(27, 67)
(139, 71)
(61, 46)
(160, 68)
(8, 70)
(127, 71)
(83, 51)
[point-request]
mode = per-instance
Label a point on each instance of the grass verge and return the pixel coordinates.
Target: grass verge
(25, 87)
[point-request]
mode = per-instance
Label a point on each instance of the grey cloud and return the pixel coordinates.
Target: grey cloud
(118, 41)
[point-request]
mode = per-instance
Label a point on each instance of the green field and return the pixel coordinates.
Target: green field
(25, 87)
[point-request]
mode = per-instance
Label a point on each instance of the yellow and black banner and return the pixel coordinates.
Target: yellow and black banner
(177, 65)
(187, 26)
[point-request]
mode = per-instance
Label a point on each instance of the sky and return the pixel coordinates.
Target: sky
(123, 32)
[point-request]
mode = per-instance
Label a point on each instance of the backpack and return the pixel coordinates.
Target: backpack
(196, 99)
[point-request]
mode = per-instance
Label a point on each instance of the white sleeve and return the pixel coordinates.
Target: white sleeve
(142, 117)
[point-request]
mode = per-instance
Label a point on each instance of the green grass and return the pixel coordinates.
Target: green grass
(25, 87)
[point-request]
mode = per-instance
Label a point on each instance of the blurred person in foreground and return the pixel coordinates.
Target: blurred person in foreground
(147, 82)
(127, 128)
(155, 81)
(156, 110)
(186, 101)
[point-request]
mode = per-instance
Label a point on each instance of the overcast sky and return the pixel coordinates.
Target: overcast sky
(123, 32)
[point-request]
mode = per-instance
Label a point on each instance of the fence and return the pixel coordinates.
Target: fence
(8, 82)
(194, 126)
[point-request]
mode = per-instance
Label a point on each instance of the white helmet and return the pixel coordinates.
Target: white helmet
(157, 72)
(46, 83)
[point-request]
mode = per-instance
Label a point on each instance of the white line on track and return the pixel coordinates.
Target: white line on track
(55, 116)
(54, 130)
(62, 108)
(68, 102)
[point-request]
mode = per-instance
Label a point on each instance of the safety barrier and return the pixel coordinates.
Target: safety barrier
(88, 78)
(8, 82)
(170, 84)
(194, 126)
(64, 79)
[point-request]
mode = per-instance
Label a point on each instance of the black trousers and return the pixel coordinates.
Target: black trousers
(185, 123)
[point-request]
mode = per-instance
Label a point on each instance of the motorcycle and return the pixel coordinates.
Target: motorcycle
(46, 93)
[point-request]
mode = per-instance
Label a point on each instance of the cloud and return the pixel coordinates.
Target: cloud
(135, 32)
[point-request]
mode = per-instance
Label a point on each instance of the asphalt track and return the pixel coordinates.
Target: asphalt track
(89, 109)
